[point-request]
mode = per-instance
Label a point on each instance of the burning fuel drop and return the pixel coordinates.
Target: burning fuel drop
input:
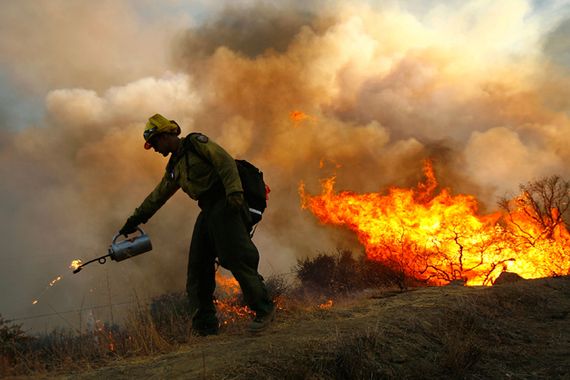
(50, 285)
(439, 237)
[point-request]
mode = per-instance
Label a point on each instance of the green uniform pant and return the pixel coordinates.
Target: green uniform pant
(222, 233)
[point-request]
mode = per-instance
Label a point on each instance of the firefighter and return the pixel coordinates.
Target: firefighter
(208, 174)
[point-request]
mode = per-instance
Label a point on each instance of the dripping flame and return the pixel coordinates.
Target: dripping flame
(75, 264)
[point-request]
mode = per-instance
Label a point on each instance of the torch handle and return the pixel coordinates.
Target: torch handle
(118, 234)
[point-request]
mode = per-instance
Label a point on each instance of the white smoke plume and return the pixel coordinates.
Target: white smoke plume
(481, 87)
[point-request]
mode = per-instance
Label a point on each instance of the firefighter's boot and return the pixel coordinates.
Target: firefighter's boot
(261, 322)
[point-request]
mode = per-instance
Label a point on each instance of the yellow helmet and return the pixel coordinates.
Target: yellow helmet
(158, 124)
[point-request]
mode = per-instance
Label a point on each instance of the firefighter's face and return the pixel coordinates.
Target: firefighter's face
(159, 145)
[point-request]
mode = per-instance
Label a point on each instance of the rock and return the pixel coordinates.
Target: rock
(507, 278)
(457, 282)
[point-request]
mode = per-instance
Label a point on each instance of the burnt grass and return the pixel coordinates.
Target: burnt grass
(380, 326)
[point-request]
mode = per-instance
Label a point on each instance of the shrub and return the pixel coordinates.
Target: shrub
(341, 272)
(171, 315)
(12, 341)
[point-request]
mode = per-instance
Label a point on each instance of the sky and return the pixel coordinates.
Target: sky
(480, 87)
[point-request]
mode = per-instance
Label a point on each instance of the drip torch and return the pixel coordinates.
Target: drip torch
(123, 249)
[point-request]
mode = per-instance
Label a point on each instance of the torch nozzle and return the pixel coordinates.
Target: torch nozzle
(80, 265)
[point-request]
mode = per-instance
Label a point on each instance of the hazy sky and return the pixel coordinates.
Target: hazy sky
(481, 87)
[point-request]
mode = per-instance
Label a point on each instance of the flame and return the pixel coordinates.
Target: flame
(440, 237)
(75, 264)
(104, 335)
(326, 305)
(35, 302)
(228, 285)
(228, 302)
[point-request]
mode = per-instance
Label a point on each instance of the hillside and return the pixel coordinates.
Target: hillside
(519, 330)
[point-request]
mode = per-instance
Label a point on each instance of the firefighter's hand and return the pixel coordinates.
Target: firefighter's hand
(129, 227)
(235, 201)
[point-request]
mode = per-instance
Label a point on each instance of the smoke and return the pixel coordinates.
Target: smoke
(60, 43)
(249, 31)
(480, 87)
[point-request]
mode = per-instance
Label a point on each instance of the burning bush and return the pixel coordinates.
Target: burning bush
(439, 237)
(545, 201)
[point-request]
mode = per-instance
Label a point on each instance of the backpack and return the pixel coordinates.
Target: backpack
(255, 190)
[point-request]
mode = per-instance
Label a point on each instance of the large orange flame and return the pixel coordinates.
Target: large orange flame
(439, 237)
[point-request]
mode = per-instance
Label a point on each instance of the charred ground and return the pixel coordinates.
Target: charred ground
(519, 330)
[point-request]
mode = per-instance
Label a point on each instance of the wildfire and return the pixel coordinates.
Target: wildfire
(439, 237)
(326, 305)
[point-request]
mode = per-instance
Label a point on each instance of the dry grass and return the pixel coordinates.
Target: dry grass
(67, 350)
(160, 327)
(510, 331)
(148, 330)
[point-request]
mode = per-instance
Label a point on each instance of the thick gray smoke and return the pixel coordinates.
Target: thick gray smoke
(303, 91)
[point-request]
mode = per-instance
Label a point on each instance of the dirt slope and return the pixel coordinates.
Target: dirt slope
(519, 331)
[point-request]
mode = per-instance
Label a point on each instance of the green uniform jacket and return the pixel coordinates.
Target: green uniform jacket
(194, 173)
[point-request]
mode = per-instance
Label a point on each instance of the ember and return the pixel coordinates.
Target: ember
(298, 116)
(439, 237)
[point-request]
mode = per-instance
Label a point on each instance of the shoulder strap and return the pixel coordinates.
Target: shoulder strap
(187, 145)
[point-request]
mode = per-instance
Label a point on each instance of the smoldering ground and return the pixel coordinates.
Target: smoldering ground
(479, 87)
